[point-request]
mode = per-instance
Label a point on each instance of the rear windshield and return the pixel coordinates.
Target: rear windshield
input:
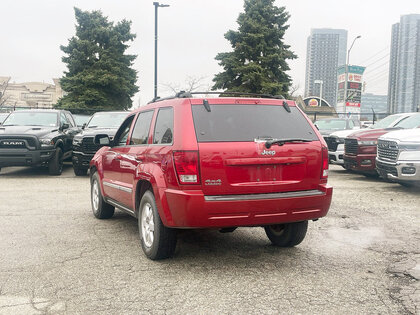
(228, 123)
(106, 120)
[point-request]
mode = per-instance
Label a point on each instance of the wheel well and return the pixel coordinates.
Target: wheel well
(60, 145)
(142, 187)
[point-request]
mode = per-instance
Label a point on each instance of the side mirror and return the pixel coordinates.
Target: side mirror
(84, 126)
(102, 140)
(65, 126)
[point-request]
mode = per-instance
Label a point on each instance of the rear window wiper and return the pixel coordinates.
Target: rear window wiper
(281, 142)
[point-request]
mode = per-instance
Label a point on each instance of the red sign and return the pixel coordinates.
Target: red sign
(350, 104)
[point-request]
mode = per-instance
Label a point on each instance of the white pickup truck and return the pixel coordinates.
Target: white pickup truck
(398, 157)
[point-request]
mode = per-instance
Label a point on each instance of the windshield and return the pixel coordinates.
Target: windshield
(386, 122)
(249, 122)
(31, 119)
(106, 120)
(410, 122)
(331, 124)
(81, 119)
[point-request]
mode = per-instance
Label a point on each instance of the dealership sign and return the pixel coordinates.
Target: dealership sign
(349, 103)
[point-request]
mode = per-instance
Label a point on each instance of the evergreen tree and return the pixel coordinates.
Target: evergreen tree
(99, 75)
(257, 63)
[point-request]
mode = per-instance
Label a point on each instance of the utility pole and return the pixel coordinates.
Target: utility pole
(157, 5)
(320, 82)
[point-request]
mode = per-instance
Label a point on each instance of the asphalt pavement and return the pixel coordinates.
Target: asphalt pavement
(56, 258)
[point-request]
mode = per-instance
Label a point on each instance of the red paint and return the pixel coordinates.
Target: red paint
(222, 168)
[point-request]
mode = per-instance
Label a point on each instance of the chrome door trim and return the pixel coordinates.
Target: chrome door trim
(290, 194)
(119, 187)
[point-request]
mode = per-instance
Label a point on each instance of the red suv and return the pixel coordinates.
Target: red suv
(221, 163)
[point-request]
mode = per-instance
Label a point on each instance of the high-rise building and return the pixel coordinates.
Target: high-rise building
(326, 51)
(404, 65)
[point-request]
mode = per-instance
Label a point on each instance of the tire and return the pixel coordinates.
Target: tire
(287, 235)
(79, 171)
(100, 208)
(55, 166)
(157, 241)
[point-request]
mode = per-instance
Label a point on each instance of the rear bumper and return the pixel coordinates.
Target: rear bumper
(81, 160)
(191, 209)
(24, 157)
(360, 162)
(402, 171)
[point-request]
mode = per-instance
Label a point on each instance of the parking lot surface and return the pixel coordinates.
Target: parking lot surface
(364, 257)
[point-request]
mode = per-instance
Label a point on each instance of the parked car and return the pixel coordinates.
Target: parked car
(37, 137)
(83, 147)
(398, 157)
(330, 125)
(360, 147)
(81, 120)
(219, 163)
(3, 117)
(335, 140)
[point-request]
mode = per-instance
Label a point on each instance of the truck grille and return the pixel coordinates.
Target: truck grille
(331, 143)
(18, 142)
(387, 150)
(88, 145)
(350, 146)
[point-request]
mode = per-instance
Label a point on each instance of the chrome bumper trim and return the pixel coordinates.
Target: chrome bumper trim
(291, 194)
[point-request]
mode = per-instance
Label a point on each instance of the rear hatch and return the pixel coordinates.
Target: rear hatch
(233, 155)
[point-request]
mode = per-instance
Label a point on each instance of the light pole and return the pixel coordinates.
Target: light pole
(347, 71)
(157, 5)
(320, 82)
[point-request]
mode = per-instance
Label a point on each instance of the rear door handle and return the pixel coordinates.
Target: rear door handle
(118, 157)
(138, 158)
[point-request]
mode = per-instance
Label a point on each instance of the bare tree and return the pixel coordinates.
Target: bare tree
(293, 91)
(3, 88)
(192, 84)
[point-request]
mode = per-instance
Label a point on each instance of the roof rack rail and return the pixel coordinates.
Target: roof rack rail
(183, 94)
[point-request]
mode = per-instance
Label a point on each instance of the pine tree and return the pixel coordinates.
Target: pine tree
(257, 63)
(99, 75)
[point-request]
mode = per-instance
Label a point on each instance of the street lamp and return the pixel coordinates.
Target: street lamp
(320, 82)
(157, 5)
(347, 71)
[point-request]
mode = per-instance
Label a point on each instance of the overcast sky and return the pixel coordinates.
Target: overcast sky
(190, 36)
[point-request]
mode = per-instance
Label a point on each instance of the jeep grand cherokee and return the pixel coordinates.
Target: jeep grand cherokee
(220, 163)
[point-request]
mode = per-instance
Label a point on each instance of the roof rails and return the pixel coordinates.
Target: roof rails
(183, 94)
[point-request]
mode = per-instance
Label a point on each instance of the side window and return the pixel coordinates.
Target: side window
(63, 119)
(141, 129)
(164, 126)
(70, 119)
(121, 136)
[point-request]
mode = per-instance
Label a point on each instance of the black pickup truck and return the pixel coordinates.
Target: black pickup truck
(83, 145)
(37, 137)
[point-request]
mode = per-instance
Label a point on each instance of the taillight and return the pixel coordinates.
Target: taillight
(324, 170)
(186, 165)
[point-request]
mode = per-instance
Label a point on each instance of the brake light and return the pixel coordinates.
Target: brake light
(186, 166)
(324, 170)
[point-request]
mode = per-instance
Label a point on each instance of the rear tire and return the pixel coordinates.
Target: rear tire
(100, 208)
(157, 241)
(79, 171)
(55, 166)
(287, 235)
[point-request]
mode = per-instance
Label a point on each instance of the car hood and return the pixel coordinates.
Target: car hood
(370, 134)
(343, 133)
(407, 135)
(38, 131)
(95, 131)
